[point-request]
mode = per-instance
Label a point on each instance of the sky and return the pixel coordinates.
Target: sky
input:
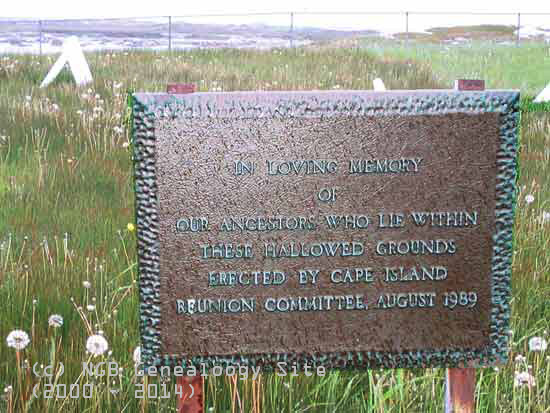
(45, 9)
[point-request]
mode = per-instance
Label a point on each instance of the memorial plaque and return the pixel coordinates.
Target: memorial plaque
(348, 229)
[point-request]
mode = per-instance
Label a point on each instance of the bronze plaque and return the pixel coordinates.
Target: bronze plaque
(344, 229)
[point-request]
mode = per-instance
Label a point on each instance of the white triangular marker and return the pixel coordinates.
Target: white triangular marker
(543, 96)
(378, 85)
(73, 55)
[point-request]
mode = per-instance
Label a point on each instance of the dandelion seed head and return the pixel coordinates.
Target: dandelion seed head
(55, 320)
(18, 339)
(519, 358)
(97, 345)
(537, 344)
(523, 379)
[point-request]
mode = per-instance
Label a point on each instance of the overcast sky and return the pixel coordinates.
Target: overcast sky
(135, 8)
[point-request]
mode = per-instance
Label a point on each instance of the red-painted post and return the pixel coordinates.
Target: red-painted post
(460, 383)
(181, 88)
(189, 389)
(190, 394)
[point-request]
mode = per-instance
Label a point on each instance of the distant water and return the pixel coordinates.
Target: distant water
(256, 31)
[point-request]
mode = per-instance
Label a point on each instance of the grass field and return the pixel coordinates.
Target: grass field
(67, 198)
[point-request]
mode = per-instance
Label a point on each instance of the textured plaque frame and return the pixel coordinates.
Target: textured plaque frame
(148, 108)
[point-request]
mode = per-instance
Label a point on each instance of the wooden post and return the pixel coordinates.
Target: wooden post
(189, 389)
(469, 84)
(460, 385)
(190, 394)
(181, 88)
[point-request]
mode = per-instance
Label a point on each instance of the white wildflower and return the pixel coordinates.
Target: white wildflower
(519, 358)
(18, 339)
(137, 355)
(537, 344)
(125, 144)
(55, 320)
(524, 378)
(86, 284)
(97, 345)
(529, 198)
(55, 107)
(545, 217)
(90, 307)
(118, 130)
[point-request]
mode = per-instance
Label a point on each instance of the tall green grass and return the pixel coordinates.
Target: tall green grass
(502, 66)
(67, 198)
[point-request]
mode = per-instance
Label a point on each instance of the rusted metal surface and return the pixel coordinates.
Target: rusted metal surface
(450, 151)
(190, 398)
(460, 387)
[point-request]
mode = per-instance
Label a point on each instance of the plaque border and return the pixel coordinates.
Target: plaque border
(147, 108)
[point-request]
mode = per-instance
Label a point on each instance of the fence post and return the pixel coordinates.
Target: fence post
(40, 35)
(407, 27)
(519, 22)
(291, 28)
(169, 34)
